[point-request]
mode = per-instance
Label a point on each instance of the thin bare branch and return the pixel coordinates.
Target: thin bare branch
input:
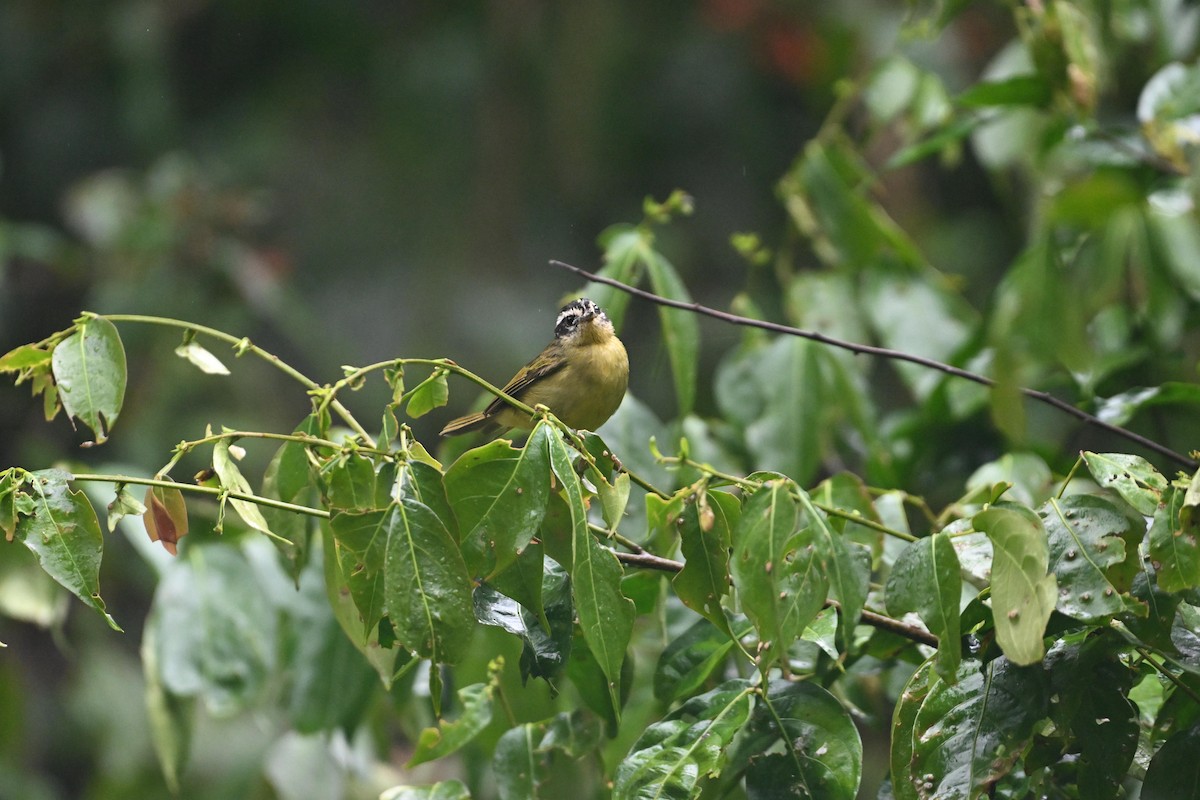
(884, 352)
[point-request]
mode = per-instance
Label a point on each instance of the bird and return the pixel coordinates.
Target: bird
(581, 376)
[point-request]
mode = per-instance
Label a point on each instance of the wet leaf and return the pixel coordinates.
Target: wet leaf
(1174, 545)
(704, 579)
(968, 734)
(673, 757)
(776, 571)
(1133, 477)
(1086, 536)
(63, 532)
(926, 579)
(801, 737)
(605, 614)
(1023, 595)
(475, 703)
(499, 494)
(89, 372)
(426, 585)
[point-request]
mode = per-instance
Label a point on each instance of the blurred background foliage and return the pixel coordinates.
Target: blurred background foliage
(348, 182)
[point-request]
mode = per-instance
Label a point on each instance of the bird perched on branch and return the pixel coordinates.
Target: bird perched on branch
(581, 377)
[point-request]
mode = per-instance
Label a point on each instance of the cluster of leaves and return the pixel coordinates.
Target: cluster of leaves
(709, 616)
(777, 596)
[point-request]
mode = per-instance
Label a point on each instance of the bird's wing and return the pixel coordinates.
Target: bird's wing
(545, 364)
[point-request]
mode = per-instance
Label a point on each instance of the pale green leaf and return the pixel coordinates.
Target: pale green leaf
(89, 372)
(926, 579)
(605, 614)
(201, 358)
(1023, 595)
(63, 532)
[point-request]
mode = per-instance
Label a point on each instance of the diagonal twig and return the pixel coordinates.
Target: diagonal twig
(884, 352)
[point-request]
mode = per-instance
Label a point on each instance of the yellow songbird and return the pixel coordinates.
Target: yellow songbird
(581, 377)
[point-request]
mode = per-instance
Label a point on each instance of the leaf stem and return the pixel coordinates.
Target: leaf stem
(244, 345)
(212, 491)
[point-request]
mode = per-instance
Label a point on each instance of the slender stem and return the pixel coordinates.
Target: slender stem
(832, 511)
(604, 533)
(244, 345)
(299, 438)
(859, 519)
(213, 491)
(358, 374)
(1180, 685)
(883, 352)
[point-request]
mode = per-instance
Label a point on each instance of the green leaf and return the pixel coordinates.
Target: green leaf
(912, 314)
(201, 358)
(352, 483)
(331, 684)
(847, 566)
(63, 532)
(233, 480)
(605, 615)
(25, 357)
(498, 494)
(350, 619)
(545, 633)
(786, 435)
(214, 628)
(360, 540)
(1097, 713)
(680, 329)
(947, 137)
(544, 760)
(801, 740)
(123, 505)
(969, 733)
(704, 540)
(449, 737)
(426, 584)
(171, 716)
(926, 579)
(1023, 595)
(672, 757)
(904, 718)
(1086, 538)
(1121, 408)
(431, 393)
(89, 371)
(690, 658)
(1174, 772)
(289, 478)
(442, 790)
(1174, 545)
(622, 244)
(1019, 90)
(776, 571)
(1133, 477)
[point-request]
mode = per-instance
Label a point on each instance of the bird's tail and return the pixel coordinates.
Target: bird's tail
(471, 422)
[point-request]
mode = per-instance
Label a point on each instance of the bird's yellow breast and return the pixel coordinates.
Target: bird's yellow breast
(586, 391)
